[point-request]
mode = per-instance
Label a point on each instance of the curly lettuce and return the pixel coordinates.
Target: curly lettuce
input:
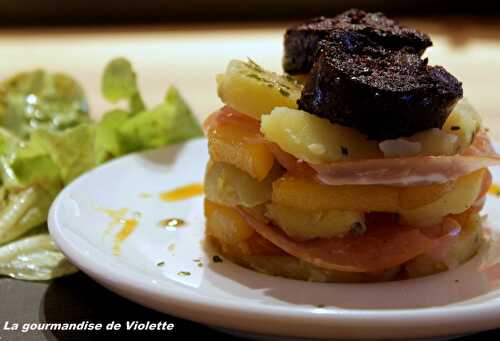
(39, 100)
(47, 140)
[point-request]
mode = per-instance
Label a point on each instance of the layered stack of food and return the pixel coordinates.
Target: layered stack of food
(361, 163)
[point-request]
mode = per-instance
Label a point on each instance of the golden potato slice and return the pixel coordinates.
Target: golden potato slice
(416, 196)
(303, 225)
(428, 142)
(254, 91)
(230, 186)
(234, 145)
(226, 224)
(314, 139)
(463, 195)
(463, 122)
(308, 195)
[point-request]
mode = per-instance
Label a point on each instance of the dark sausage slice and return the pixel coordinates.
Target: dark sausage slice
(301, 41)
(381, 92)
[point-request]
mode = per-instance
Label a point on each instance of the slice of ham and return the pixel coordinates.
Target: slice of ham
(380, 247)
(409, 171)
(402, 171)
(228, 116)
(290, 163)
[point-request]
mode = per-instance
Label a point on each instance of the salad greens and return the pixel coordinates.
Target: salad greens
(47, 139)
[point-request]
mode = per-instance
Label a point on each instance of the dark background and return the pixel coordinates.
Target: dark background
(95, 303)
(110, 12)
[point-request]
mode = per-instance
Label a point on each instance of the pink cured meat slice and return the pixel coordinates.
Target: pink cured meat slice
(380, 247)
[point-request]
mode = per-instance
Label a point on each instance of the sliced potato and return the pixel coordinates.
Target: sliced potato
(463, 122)
(416, 196)
(308, 195)
(418, 206)
(230, 186)
(428, 142)
(314, 139)
(226, 224)
(234, 145)
(435, 142)
(303, 225)
(464, 248)
(463, 195)
(254, 91)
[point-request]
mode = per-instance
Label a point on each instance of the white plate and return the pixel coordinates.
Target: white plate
(228, 296)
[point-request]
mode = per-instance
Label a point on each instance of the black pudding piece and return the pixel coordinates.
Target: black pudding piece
(383, 93)
(302, 41)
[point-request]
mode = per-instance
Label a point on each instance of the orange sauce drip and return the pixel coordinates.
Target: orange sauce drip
(184, 192)
(494, 189)
(116, 217)
(128, 226)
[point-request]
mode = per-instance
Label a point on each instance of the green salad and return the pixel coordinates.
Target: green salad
(47, 139)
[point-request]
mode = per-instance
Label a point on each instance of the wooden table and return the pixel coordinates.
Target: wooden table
(189, 57)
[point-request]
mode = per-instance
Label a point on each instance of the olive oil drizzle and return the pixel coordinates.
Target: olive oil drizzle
(172, 222)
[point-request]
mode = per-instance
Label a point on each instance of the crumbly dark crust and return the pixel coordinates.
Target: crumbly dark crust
(384, 93)
(302, 41)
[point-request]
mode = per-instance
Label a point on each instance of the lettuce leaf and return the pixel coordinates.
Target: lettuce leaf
(33, 100)
(170, 122)
(47, 141)
(72, 151)
(24, 211)
(34, 258)
(108, 143)
(119, 81)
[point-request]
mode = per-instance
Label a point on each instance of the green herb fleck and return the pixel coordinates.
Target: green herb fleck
(160, 263)
(319, 305)
(284, 93)
(357, 229)
(184, 273)
(254, 76)
(254, 65)
(217, 259)
(344, 150)
(455, 128)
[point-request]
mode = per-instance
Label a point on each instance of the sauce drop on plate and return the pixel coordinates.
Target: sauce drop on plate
(494, 189)
(184, 192)
(116, 216)
(172, 222)
(128, 226)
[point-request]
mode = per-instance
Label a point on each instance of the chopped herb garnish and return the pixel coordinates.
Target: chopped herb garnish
(217, 259)
(319, 305)
(357, 229)
(284, 93)
(254, 65)
(455, 128)
(160, 263)
(344, 150)
(184, 273)
(254, 76)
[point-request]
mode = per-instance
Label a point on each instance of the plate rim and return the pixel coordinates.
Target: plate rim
(458, 319)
